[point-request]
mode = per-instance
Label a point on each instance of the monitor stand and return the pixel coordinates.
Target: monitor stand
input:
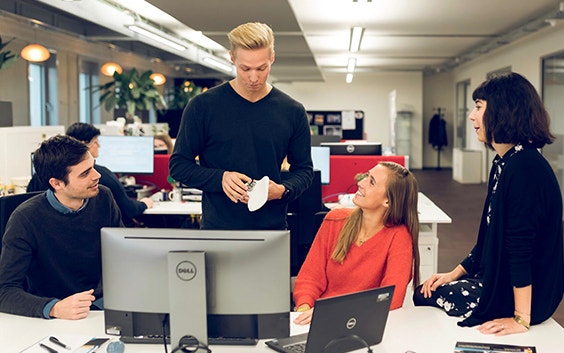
(187, 296)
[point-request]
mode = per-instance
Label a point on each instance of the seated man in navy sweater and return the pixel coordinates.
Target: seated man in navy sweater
(50, 264)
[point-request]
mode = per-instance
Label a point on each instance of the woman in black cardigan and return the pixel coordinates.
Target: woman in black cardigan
(514, 275)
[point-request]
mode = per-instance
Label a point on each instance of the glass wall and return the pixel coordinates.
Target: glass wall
(43, 97)
(89, 98)
(552, 93)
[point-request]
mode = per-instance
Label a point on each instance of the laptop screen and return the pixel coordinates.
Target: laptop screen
(344, 323)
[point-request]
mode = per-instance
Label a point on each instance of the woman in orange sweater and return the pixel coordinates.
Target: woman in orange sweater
(371, 245)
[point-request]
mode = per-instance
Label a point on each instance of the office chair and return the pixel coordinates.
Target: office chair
(7, 205)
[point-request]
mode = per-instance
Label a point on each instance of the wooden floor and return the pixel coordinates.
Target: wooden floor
(463, 203)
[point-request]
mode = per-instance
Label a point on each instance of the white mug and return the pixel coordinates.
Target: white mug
(175, 195)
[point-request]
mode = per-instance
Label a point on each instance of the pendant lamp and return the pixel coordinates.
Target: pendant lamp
(110, 67)
(35, 53)
(159, 78)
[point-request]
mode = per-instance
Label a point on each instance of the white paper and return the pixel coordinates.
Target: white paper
(348, 122)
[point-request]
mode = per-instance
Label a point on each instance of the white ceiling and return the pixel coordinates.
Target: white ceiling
(312, 36)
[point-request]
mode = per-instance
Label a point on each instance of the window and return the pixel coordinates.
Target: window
(552, 91)
(463, 101)
(89, 98)
(43, 106)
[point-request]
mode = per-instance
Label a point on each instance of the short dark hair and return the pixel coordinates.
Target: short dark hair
(514, 111)
(83, 132)
(56, 155)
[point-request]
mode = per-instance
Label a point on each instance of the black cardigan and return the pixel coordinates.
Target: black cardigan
(523, 244)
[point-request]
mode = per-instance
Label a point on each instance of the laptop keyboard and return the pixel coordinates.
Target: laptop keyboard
(296, 347)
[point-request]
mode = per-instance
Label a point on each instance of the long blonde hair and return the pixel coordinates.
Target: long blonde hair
(402, 193)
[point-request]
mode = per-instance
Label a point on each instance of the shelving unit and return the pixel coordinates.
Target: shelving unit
(403, 123)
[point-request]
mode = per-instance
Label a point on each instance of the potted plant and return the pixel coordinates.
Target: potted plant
(177, 99)
(7, 59)
(131, 91)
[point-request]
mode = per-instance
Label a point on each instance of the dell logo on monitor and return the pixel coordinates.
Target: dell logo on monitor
(351, 323)
(186, 270)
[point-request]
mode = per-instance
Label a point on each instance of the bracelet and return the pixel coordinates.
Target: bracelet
(518, 319)
(522, 314)
(302, 309)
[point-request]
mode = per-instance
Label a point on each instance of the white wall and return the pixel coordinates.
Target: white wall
(524, 57)
(369, 93)
(438, 91)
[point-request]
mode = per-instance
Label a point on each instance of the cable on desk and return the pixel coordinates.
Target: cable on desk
(349, 337)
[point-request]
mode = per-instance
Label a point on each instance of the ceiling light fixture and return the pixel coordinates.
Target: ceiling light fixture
(159, 78)
(356, 39)
(349, 78)
(154, 34)
(218, 64)
(110, 67)
(351, 65)
(35, 53)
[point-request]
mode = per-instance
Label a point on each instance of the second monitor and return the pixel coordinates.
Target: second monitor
(126, 154)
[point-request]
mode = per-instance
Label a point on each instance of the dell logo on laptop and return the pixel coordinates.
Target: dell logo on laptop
(350, 148)
(186, 270)
(351, 323)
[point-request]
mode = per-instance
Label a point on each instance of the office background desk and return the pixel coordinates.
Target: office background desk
(420, 330)
(430, 216)
(175, 208)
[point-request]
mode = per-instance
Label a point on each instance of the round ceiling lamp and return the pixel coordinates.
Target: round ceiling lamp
(35, 53)
(159, 78)
(110, 67)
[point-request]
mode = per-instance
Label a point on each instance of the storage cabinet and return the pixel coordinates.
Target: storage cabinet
(467, 166)
(428, 250)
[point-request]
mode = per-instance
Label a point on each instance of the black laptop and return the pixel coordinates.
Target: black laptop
(354, 148)
(342, 324)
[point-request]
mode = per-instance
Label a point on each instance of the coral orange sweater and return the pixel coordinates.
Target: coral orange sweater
(385, 259)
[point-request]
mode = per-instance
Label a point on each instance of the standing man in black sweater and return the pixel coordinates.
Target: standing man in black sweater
(241, 131)
(51, 261)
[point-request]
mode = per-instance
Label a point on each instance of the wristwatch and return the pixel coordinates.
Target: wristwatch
(286, 194)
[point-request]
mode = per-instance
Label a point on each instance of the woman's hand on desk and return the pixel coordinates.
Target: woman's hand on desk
(502, 327)
(305, 317)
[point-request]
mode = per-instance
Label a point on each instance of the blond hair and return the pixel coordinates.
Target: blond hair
(165, 137)
(402, 193)
(251, 35)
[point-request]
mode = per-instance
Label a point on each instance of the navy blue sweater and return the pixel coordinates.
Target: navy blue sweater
(49, 255)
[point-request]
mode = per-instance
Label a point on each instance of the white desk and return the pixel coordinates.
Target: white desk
(421, 330)
(430, 215)
(175, 208)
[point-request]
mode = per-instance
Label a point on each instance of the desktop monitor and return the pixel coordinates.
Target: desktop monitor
(316, 140)
(16, 145)
(321, 157)
(247, 282)
(352, 147)
(126, 154)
